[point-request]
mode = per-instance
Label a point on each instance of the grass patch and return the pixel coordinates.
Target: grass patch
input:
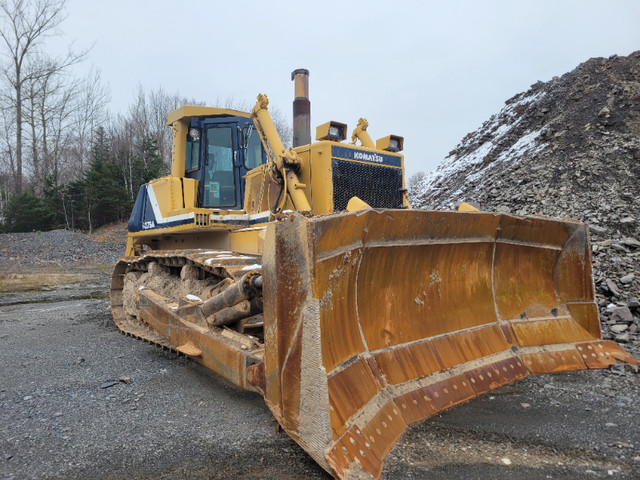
(28, 282)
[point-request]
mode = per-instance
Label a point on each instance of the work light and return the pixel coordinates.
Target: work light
(390, 143)
(335, 131)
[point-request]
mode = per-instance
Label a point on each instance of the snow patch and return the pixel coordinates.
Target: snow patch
(217, 259)
(248, 229)
(255, 266)
(462, 166)
(526, 144)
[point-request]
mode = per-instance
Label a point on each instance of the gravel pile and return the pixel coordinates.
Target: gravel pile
(569, 147)
(56, 248)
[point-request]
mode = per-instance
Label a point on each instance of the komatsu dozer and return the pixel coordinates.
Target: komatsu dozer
(303, 275)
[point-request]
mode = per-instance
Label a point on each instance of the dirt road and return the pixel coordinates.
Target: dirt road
(166, 417)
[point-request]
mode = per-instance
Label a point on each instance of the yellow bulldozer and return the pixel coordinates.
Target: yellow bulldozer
(303, 275)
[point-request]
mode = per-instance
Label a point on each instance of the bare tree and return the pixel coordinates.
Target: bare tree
(47, 107)
(25, 25)
(283, 126)
(280, 121)
(7, 155)
(161, 104)
(147, 117)
(121, 133)
(89, 112)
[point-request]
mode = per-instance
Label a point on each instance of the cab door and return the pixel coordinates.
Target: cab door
(219, 174)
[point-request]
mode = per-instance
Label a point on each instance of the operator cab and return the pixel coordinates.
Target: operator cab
(219, 152)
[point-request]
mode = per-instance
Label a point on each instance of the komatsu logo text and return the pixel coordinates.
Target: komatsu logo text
(368, 157)
(381, 159)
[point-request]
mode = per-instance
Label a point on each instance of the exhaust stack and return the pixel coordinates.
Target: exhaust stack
(301, 108)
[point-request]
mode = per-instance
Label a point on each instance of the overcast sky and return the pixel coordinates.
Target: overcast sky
(429, 71)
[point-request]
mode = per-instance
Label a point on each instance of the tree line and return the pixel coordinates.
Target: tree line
(66, 161)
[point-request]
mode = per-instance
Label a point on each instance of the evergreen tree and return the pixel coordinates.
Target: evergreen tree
(53, 198)
(26, 212)
(105, 197)
(75, 205)
(150, 165)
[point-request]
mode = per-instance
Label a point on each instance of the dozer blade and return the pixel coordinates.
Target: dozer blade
(380, 318)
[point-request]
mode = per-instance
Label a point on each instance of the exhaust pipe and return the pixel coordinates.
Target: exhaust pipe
(301, 108)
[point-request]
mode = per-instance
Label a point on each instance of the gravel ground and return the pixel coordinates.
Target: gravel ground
(167, 417)
(61, 250)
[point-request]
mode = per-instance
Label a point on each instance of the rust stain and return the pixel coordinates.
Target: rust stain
(549, 331)
(553, 361)
(349, 391)
(603, 354)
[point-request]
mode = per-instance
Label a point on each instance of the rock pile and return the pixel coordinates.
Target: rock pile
(57, 248)
(569, 147)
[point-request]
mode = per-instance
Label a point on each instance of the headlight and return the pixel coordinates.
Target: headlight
(331, 131)
(390, 143)
(335, 131)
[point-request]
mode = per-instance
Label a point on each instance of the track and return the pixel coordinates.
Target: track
(207, 272)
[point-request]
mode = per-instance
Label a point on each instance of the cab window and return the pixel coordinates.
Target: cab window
(253, 156)
(192, 160)
(219, 178)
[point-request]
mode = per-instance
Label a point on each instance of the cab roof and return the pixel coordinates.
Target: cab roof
(192, 111)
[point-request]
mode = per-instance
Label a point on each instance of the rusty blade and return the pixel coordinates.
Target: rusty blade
(602, 354)
(378, 319)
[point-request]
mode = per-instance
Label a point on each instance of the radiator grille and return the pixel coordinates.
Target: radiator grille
(380, 187)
